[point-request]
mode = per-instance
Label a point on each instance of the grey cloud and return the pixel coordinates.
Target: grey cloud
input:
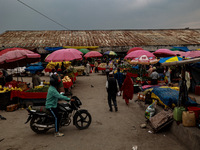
(99, 14)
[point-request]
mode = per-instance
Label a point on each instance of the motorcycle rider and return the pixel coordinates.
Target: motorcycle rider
(52, 99)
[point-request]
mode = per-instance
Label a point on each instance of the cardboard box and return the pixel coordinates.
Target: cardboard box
(12, 107)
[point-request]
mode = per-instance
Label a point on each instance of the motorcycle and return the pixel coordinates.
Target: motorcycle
(41, 119)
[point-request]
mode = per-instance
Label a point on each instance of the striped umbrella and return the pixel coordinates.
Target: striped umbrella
(110, 53)
(170, 59)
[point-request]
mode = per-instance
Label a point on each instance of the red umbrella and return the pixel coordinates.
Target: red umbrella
(134, 49)
(139, 53)
(93, 54)
(17, 57)
(64, 55)
(164, 53)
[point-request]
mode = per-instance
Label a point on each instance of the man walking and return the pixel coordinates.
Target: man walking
(112, 89)
(154, 77)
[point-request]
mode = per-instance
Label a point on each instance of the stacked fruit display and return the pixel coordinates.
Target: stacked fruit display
(103, 65)
(52, 65)
(66, 79)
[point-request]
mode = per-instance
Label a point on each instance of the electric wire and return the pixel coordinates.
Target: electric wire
(43, 14)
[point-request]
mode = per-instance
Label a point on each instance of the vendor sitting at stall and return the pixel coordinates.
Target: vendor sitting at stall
(36, 79)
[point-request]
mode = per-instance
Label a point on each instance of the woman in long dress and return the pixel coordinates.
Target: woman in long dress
(127, 89)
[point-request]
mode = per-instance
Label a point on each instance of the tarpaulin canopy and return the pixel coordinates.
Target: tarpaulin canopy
(34, 67)
(170, 96)
(184, 48)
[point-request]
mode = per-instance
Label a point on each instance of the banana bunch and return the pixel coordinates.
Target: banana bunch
(6, 89)
(46, 83)
(38, 87)
(66, 79)
(51, 65)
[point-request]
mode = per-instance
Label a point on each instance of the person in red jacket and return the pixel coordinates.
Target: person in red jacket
(127, 89)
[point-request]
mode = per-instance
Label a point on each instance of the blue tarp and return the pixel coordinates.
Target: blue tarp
(169, 96)
(51, 49)
(34, 67)
(35, 64)
(185, 49)
(136, 67)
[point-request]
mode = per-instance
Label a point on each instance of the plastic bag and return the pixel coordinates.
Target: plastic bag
(119, 93)
(150, 111)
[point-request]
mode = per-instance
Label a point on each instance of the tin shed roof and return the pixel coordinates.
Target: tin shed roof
(101, 38)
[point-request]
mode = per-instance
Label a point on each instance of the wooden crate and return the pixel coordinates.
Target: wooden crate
(12, 107)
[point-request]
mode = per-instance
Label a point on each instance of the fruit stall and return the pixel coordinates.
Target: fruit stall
(52, 65)
(102, 66)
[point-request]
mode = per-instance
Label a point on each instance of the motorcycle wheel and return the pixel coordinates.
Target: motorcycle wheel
(37, 129)
(82, 119)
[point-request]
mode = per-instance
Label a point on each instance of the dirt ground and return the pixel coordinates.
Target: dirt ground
(108, 131)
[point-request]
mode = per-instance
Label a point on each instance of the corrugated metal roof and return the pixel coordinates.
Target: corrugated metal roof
(101, 38)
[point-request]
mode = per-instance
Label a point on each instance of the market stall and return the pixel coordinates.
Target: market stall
(52, 65)
(80, 70)
(102, 66)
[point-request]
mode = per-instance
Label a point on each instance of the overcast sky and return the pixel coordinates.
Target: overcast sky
(99, 14)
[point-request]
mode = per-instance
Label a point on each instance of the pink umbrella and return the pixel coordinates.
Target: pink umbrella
(64, 55)
(180, 53)
(76, 51)
(139, 53)
(192, 54)
(93, 54)
(134, 49)
(164, 53)
(17, 57)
